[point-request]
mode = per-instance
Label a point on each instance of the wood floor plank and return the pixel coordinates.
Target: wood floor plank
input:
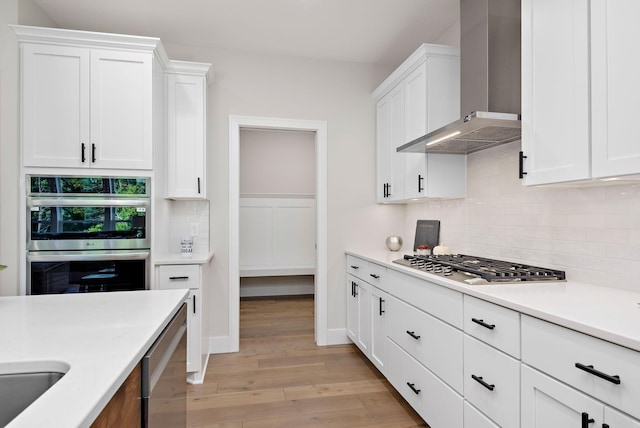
(281, 379)
(336, 389)
(236, 399)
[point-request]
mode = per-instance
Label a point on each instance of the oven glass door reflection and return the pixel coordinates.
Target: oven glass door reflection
(57, 274)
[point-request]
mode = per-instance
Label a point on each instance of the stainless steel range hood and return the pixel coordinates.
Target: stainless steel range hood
(489, 81)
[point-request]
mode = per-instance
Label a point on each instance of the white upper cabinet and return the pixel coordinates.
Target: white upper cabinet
(85, 102)
(121, 109)
(555, 90)
(422, 95)
(55, 105)
(186, 86)
(578, 86)
(615, 88)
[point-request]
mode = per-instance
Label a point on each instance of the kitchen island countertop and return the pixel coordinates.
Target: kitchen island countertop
(611, 314)
(98, 337)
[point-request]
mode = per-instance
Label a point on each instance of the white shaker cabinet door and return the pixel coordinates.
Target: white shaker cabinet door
(121, 109)
(549, 403)
(383, 140)
(615, 87)
(377, 310)
(415, 126)
(615, 419)
(55, 106)
(186, 136)
(555, 90)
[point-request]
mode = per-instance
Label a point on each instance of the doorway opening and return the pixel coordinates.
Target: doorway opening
(307, 264)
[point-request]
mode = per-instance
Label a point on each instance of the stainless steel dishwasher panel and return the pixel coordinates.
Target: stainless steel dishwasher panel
(164, 370)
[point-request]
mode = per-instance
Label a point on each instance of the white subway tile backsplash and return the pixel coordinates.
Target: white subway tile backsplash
(593, 233)
(183, 214)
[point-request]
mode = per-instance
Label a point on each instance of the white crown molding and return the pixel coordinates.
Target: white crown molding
(415, 59)
(192, 68)
(58, 36)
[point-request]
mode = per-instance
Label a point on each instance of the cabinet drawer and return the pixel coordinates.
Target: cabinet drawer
(357, 267)
(376, 274)
(178, 276)
(439, 301)
(493, 324)
(474, 419)
(500, 397)
(556, 350)
(435, 402)
(435, 344)
(372, 273)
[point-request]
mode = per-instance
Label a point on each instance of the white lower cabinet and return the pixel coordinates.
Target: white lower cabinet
(358, 326)
(187, 276)
(492, 382)
(615, 419)
(435, 344)
(378, 301)
(506, 369)
(434, 400)
(605, 371)
(366, 310)
(549, 403)
(473, 418)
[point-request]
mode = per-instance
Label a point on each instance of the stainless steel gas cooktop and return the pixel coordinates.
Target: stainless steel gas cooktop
(479, 270)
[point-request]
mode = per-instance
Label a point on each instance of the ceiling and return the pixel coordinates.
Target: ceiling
(367, 31)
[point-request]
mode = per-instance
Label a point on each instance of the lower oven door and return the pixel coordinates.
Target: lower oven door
(57, 272)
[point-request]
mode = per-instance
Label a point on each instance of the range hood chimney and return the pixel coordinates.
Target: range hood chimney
(489, 81)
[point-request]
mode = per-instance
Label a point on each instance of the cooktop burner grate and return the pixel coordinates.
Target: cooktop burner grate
(488, 269)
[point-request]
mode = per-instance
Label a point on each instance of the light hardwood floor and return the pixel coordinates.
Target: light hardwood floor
(281, 379)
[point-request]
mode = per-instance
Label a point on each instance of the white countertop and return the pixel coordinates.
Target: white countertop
(610, 314)
(100, 337)
(177, 259)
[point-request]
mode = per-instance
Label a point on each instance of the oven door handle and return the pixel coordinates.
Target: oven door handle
(86, 202)
(68, 256)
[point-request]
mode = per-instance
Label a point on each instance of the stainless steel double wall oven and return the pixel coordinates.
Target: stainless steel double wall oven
(87, 234)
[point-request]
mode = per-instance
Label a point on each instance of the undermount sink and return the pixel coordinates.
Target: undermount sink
(19, 389)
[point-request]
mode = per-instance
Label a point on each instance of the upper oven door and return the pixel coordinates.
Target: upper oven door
(76, 223)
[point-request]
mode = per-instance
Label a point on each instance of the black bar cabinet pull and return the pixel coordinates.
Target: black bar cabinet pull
(355, 289)
(589, 369)
(381, 302)
(586, 420)
(194, 303)
(352, 289)
(484, 324)
(198, 184)
(413, 387)
(605, 425)
(521, 172)
(373, 275)
(413, 334)
(84, 158)
(173, 278)
(420, 179)
(482, 382)
(355, 267)
(93, 153)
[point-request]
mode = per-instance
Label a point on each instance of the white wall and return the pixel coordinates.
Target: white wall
(277, 163)
(11, 12)
(251, 84)
(592, 233)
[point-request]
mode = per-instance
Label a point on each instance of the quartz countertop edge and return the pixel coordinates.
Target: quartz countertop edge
(101, 337)
(177, 259)
(611, 314)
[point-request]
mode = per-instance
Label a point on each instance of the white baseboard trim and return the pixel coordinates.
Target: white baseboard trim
(197, 378)
(275, 290)
(337, 336)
